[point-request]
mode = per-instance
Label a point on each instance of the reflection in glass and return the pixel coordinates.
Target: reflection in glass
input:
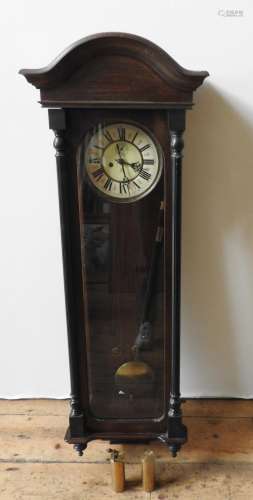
(122, 258)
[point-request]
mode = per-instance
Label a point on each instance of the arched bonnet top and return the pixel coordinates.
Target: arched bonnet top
(115, 70)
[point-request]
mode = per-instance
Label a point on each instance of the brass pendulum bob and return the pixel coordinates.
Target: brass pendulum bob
(136, 378)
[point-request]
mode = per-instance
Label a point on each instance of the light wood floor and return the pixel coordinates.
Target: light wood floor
(36, 464)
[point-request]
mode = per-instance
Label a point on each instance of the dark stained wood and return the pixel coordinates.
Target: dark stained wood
(111, 69)
(107, 78)
(79, 123)
(83, 426)
(72, 266)
(177, 126)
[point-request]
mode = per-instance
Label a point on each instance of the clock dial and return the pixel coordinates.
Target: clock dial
(123, 161)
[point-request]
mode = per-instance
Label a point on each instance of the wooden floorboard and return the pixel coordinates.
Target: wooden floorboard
(35, 463)
(191, 407)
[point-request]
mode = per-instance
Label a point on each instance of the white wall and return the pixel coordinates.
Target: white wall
(217, 283)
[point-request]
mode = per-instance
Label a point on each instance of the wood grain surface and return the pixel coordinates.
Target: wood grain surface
(216, 463)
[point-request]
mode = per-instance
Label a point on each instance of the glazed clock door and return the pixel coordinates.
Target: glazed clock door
(120, 168)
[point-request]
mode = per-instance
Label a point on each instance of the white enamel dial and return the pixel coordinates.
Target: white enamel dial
(122, 161)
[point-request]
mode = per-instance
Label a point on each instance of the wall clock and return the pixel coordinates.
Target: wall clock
(117, 107)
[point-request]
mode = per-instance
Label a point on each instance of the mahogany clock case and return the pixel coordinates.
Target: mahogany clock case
(120, 257)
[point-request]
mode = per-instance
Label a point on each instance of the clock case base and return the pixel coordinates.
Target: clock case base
(173, 439)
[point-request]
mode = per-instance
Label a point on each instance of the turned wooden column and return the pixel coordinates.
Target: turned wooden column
(177, 126)
(57, 122)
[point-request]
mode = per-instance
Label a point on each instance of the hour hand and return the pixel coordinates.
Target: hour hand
(135, 165)
(120, 161)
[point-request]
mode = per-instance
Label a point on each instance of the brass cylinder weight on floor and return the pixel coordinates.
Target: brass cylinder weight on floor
(117, 471)
(148, 471)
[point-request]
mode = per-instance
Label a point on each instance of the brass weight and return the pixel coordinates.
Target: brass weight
(148, 471)
(117, 471)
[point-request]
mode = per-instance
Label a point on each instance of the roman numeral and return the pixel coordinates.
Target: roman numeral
(122, 133)
(108, 184)
(98, 173)
(148, 162)
(144, 147)
(144, 174)
(122, 187)
(133, 139)
(108, 136)
(137, 185)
